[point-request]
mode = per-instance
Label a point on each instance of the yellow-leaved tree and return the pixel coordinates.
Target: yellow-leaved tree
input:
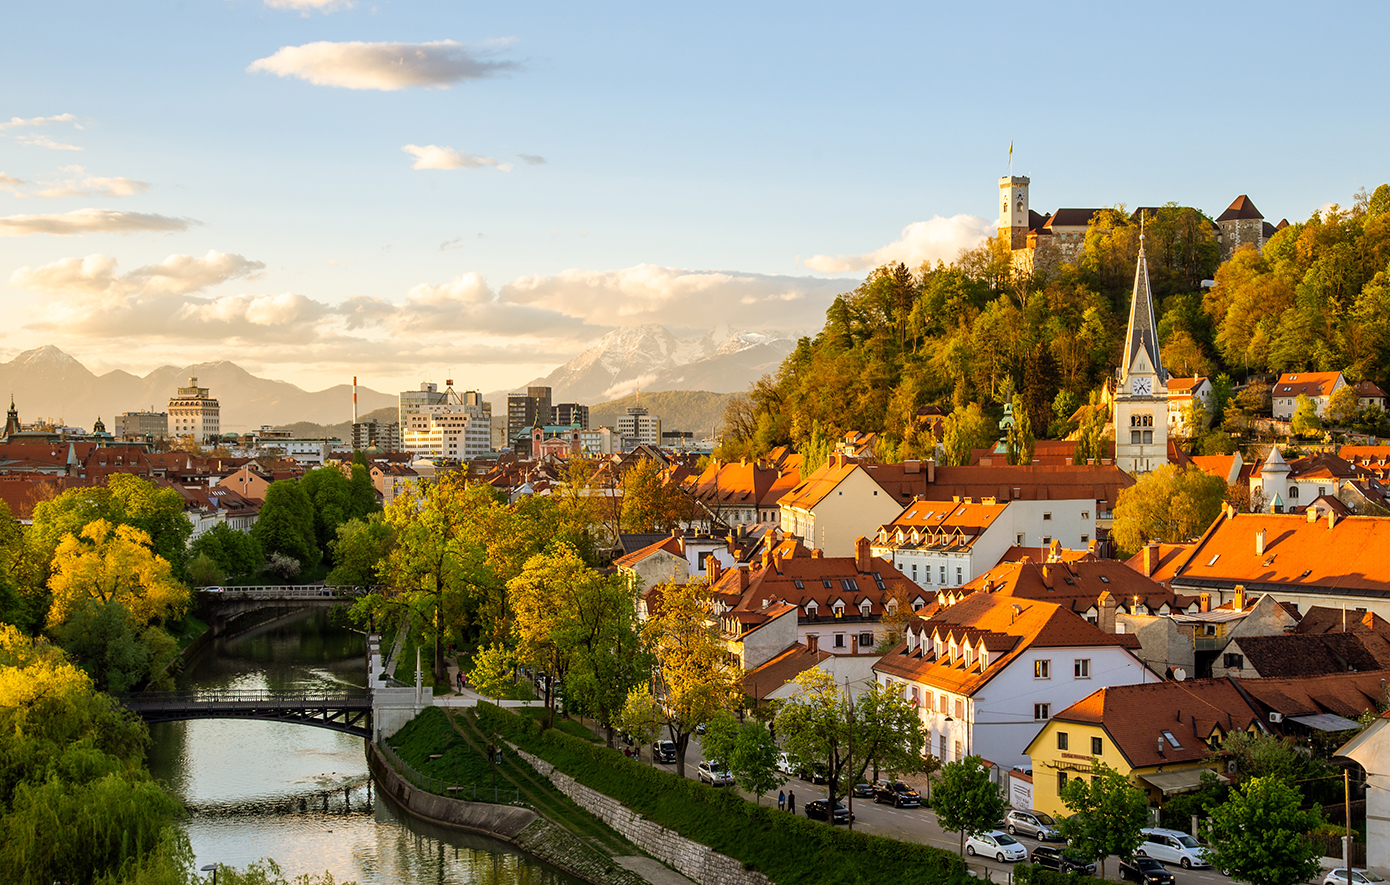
(114, 563)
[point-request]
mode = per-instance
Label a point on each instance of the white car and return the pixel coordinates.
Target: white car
(996, 844)
(1356, 877)
(1172, 846)
(714, 773)
(785, 765)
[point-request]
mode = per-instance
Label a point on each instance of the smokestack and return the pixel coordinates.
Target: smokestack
(1150, 558)
(354, 399)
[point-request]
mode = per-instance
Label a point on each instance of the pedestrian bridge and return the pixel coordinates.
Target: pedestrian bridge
(224, 603)
(347, 712)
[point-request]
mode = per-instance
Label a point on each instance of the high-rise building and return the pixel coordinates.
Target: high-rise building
(570, 414)
(445, 426)
(137, 426)
(374, 434)
(192, 413)
(527, 410)
(637, 428)
(419, 402)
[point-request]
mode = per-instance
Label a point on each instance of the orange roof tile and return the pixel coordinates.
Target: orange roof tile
(1306, 384)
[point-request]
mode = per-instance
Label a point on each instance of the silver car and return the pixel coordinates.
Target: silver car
(714, 773)
(1034, 824)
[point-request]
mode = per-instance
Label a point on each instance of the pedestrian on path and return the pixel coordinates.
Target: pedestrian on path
(460, 681)
(791, 801)
(781, 800)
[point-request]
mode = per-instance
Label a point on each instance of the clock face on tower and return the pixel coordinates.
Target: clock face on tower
(1143, 386)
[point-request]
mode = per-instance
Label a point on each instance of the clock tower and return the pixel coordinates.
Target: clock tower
(1141, 390)
(1013, 210)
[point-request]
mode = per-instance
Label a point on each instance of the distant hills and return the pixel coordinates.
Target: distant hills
(343, 429)
(698, 411)
(48, 383)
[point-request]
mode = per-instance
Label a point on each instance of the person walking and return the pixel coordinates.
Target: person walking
(781, 801)
(791, 801)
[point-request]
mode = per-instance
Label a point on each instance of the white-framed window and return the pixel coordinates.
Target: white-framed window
(1041, 712)
(1047, 516)
(1081, 668)
(1042, 669)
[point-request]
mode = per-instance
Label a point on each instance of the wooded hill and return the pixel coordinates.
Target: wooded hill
(1318, 298)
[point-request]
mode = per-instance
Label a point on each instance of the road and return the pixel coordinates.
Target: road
(919, 825)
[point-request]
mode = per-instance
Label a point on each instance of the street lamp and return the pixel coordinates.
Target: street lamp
(212, 868)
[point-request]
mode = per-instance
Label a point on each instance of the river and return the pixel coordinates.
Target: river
(302, 795)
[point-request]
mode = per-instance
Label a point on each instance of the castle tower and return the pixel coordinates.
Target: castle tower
(1141, 394)
(1013, 210)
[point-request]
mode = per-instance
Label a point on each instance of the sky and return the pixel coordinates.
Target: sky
(403, 191)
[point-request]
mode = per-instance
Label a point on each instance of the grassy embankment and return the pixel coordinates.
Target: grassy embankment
(790, 850)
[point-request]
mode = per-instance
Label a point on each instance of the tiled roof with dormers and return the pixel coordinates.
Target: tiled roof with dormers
(1079, 584)
(939, 524)
(1326, 619)
(1306, 384)
(1342, 694)
(1314, 654)
(1004, 626)
(814, 584)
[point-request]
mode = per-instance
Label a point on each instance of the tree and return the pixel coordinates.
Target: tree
(650, 504)
(966, 801)
(1306, 422)
(118, 653)
(753, 760)
(693, 676)
(1168, 504)
(965, 429)
(1343, 407)
(125, 500)
(236, 553)
(1107, 814)
(286, 524)
(1259, 835)
(887, 732)
(1092, 443)
(330, 498)
(114, 564)
(360, 549)
(494, 670)
(203, 571)
(815, 725)
(1020, 439)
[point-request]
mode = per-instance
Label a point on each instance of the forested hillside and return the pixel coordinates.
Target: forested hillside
(697, 411)
(976, 332)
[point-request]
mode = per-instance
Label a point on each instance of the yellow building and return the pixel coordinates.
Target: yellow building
(1159, 735)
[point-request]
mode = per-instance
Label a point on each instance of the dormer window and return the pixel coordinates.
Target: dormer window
(864, 609)
(952, 658)
(969, 656)
(839, 609)
(811, 609)
(984, 658)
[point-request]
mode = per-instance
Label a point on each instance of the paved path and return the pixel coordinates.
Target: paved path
(654, 871)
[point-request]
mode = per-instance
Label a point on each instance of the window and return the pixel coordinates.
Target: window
(1085, 538)
(866, 640)
(960, 713)
(914, 572)
(1018, 539)
(958, 575)
(1293, 493)
(1047, 539)
(1061, 781)
(1062, 743)
(1042, 669)
(1134, 441)
(1097, 746)
(943, 574)
(944, 708)
(1081, 668)
(942, 751)
(1148, 437)
(1172, 741)
(1234, 661)
(1085, 514)
(839, 640)
(1042, 711)
(1047, 516)
(958, 749)
(915, 696)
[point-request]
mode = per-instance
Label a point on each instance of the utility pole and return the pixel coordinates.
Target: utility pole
(849, 705)
(1346, 799)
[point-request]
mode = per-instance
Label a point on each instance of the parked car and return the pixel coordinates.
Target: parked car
(862, 791)
(1145, 870)
(1062, 859)
(815, 772)
(211, 589)
(996, 844)
(1341, 876)
(785, 765)
(816, 810)
(664, 751)
(714, 773)
(897, 793)
(1173, 846)
(1033, 824)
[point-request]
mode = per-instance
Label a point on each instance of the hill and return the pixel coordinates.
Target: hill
(697, 411)
(343, 429)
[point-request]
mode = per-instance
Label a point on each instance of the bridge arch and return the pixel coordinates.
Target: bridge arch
(349, 713)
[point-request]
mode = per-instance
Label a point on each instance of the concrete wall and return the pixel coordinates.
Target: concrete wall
(698, 862)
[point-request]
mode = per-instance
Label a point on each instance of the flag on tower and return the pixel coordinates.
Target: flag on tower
(1011, 157)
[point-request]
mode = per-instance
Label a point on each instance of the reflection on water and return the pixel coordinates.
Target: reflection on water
(303, 795)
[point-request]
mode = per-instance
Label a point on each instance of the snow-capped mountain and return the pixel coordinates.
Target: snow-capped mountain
(651, 357)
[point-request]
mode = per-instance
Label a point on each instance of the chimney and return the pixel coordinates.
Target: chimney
(931, 471)
(1047, 577)
(742, 578)
(1106, 606)
(1312, 513)
(1204, 603)
(1054, 551)
(713, 568)
(1238, 603)
(817, 553)
(1160, 745)
(354, 399)
(767, 557)
(861, 556)
(912, 466)
(1331, 519)
(812, 642)
(1150, 559)
(1260, 543)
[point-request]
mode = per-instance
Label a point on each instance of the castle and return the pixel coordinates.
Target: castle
(1041, 242)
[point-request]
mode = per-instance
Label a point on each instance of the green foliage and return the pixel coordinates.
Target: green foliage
(203, 571)
(888, 733)
(1306, 422)
(966, 428)
(1258, 834)
(286, 524)
(789, 849)
(236, 553)
(494, 671)
(650, 504)
(1032, 874)
(1107, 814)
(1168, 504)
(1020, 439)
(360, 549)
(748, 750)
(267, 872)
(116, 653)
(965, 800)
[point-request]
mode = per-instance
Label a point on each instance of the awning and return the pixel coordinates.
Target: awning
(1184, 781)
(1326, 722)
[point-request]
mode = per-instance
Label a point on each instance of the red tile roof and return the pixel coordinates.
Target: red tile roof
(1306, 384)
(1242, 208)
(777, 672)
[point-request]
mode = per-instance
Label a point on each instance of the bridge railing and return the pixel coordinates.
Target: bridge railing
(472, 791)
(249, 697)
(282, 591)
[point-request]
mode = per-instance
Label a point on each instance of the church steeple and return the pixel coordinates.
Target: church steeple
(1141, 339)
(11, 420)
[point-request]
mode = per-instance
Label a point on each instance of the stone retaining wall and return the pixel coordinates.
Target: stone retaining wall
(698, 862)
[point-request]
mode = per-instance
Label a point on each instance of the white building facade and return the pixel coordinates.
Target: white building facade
(193, 413)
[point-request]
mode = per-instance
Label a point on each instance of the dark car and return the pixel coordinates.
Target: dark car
(898, 793)
(664, 751)
(1145, 870)
(815, 773)
(816, 810)
(1062, 859)
(863, 791)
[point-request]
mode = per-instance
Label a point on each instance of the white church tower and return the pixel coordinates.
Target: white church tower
(1141, 391)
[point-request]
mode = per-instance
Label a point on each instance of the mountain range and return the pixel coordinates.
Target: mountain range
(48, 383)
(651, 358)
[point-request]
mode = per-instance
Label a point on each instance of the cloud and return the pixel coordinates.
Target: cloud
(90, 221)
(432, 156)
(44, 141)
(20, 123)
(532, 159)
(97, 275)
(93, 186)
(464, 304)
(649, 293)
(306, 6)
(385, 66)
(10, 183)
(939, 239)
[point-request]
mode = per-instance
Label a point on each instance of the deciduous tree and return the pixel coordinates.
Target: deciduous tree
(1259, 834)
(1107, 814)
(1168, 504)
(965, 800)
(114, 564)
(1305, 417)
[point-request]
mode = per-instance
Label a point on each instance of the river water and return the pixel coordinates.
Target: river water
(303, 795)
